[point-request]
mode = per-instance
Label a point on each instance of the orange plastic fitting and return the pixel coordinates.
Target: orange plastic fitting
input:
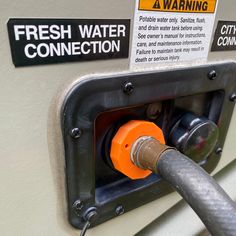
(122, 144)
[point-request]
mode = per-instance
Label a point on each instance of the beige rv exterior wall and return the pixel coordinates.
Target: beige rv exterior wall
(32, 195)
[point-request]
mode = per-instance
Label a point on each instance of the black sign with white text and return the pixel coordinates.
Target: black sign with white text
(47, 41)
(225, 36)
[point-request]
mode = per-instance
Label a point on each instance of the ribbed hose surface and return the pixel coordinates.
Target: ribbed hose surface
(214, 207)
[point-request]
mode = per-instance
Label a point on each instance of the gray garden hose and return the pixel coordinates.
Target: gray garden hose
(210, 202)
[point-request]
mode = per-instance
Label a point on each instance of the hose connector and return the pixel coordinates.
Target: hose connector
(146, 152)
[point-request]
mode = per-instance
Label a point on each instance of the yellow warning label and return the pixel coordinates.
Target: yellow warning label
(193, 6)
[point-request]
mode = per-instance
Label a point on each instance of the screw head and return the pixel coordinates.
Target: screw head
(75, 133)
(154, 110)
(212, 75)
(78, 206)
(128, 88)
(120, 210)
(232, 97)
(219, 151)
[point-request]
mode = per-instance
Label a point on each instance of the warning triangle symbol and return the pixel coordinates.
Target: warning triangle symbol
(156, 5)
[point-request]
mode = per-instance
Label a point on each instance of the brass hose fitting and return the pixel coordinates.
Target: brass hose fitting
(146, 152)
